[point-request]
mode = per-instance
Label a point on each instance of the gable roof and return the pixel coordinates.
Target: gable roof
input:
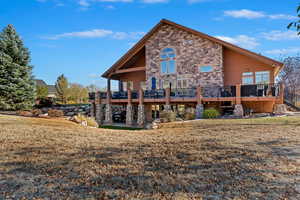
(40, 82)
(140, 44)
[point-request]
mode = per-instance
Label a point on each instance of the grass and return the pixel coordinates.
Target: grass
(119, 127)
(205, 159)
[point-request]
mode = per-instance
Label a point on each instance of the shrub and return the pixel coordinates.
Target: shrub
(211, 113)
(55, 113)
(36, 112)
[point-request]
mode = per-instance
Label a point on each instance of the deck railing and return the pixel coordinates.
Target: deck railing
(218, 91)
(260, 90)
(254, 90)
(155, 94)
(120, 95)
(134, 94)
(183, 92)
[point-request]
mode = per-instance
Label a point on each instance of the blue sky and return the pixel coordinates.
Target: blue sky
(82, 38)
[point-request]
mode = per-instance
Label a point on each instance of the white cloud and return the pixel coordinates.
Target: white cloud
(97, 33)
(281, 35)
(84, 3)
(244, 13)
(251, 14)
(241, 40)
(131, 35)
(292, 50)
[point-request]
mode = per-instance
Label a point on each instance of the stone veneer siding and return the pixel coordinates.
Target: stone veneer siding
(192, 51)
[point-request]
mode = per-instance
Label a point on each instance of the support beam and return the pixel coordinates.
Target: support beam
(199, 95)
(133, 69)
(238, 99)
(108, 95)
(168, 99)
(141, 110)
(99, 109)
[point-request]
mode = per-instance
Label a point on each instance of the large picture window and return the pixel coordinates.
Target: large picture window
(167, 64)
(262, 77)
(247, 78)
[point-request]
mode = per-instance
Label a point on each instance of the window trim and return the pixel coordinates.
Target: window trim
(248, 75)
(167, 60)
(269, 76)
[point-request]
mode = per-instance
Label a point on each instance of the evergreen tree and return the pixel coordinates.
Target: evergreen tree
(17, 87)
(62, 88)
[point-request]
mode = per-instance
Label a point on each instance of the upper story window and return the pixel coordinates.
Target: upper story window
(207, 68)
(182, 83)
(167, 64)
(143, 85)
(127, 85)
(262, 77)
(247, 78)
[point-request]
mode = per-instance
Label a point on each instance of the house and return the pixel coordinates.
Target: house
(51, 88)
(173, 66)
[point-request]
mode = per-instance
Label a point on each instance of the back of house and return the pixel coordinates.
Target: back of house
(175, 67)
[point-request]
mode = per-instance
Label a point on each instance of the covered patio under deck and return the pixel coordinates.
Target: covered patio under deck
(258, 97)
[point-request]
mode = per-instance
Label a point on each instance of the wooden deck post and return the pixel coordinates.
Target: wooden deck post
(168, 96)
(141, 96)
(108, 108)
(129, 96)
(199, 106)
(108, 94)
(238, 99)
(199, 95)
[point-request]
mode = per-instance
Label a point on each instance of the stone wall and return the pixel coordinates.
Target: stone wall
(192, 52)
(70, 110)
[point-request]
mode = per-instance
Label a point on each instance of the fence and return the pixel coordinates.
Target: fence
(292, 97)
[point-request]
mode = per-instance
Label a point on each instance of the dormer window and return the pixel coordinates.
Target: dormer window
(167, 64)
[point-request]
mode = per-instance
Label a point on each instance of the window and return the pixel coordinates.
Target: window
(262, 77)
(167, 64)
(127, 85)
(143, 85)
(166, 84)
(247, 78)
(207, 68)
(183, 83)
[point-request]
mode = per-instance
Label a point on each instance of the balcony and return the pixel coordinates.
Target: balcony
(208, 93)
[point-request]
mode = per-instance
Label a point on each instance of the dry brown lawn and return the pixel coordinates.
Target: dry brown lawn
(206, 159)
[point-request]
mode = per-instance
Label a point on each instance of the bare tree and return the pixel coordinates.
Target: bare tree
(290, 75)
